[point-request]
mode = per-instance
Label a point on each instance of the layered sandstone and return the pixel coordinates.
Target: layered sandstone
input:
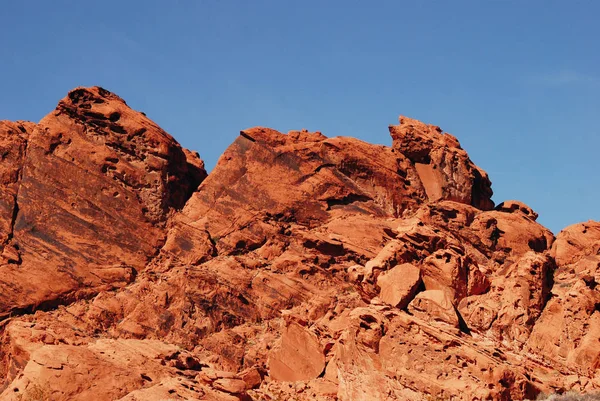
(303, 267)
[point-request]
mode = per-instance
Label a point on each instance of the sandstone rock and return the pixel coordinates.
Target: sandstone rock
(567, 332)
(95, 184)
(303, 267)
(435, 306)
(116, 367)
(357, 352)
(251, 377)
(233, 386)
(507, 236)
(13, 143)
(443, 166)
(576, 242)
(410, 352)
(300, 356)
(446, 270)
(173, 388)
(266, 177)
(399, 285)
(384, 260)
(513, 206)
(517, 298)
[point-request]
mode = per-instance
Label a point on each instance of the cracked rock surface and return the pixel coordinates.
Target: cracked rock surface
(302, 268)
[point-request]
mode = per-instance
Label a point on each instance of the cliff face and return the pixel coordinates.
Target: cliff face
(303, 267)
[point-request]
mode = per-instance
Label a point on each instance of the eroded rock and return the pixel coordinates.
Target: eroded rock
(303, 267)
(299, 357)
(399, 285)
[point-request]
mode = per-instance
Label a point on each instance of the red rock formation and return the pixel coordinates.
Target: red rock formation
(303, 267)
(399, 285)
(95, 185)
(567, 334)
(438, 159)
(299, 356)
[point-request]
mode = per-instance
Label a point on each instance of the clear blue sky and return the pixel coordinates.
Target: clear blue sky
(516, 81)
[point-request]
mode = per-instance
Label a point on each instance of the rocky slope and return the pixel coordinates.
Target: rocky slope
(302, 268)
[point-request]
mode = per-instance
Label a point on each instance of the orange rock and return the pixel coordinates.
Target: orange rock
(300, 356)
(435, 306)
(437, 156)
(399, 285)
(576, 242)
(517, 298)
(446, 270)
(251, 377)
(567, 331)
(233, 386)
(303, 267)
(513, 206)
(96, 184)
(509, 235)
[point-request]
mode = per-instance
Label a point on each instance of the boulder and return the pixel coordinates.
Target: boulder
(299, 357)
(399, 285)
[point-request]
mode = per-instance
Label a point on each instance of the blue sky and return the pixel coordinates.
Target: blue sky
(516, 81)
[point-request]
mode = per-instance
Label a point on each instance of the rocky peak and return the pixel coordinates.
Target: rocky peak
(135, 139)
(86, 192)
(444, 168)
(303, 267)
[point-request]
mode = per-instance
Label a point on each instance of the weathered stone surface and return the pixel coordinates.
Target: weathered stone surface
(443, 166)
(399, 285)
(568, 330)
(517, 297)
(96, 181)
(13, 142)
(577, 242)
(446, 270)
(513, 206)
(434, 306)
(115, 367)
(507, 236)
(299, 357)
(303, 267)
(265, 178)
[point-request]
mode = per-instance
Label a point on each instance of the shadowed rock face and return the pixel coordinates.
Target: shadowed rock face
(303, 267)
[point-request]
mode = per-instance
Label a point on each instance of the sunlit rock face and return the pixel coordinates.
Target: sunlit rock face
(302, 268)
